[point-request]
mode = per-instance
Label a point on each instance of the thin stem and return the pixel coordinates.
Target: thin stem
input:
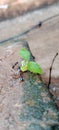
(50, 70)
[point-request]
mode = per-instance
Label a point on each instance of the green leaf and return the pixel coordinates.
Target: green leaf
(34, 67)
(25, 54)
(24, 66)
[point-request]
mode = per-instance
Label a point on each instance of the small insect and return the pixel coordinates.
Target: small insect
(21, 76)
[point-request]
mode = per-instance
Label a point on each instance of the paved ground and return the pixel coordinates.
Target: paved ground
(19, 105)
(46, 38)
(12, 8)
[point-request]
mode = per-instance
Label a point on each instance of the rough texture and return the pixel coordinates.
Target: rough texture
(28, 105)
(12, 8)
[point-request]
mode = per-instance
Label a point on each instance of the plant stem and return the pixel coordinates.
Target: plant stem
(50, 70)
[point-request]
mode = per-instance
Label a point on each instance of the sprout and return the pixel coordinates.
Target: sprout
(26, 64)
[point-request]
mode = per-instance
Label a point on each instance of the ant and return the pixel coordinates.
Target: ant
(20, 72)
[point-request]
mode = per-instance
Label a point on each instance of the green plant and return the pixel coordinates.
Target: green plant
(26, 64)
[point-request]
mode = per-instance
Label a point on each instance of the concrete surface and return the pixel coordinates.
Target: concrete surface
(45, 39)
(13, 8)
(17, 113)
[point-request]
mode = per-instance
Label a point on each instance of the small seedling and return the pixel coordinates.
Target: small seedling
(27, 65)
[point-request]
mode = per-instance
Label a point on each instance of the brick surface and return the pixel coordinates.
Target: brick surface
(26, 105)
(12, 8)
